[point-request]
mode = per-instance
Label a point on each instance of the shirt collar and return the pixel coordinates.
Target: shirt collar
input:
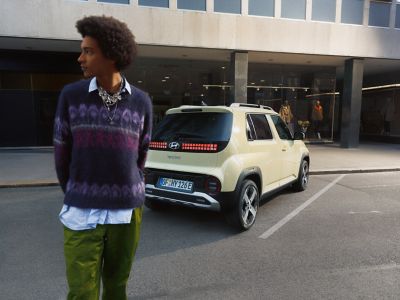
(93, 86)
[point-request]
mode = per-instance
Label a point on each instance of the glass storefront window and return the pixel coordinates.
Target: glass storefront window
(115, 1)
(303, 95)
(352, 11)
(261, 8)
(31, 101)
(155, 3)
(175, 82)
(228, 6)
(380, 113)
(294, 9)
(397, 23)
(379, 13)
(192, 4)
(324, 10)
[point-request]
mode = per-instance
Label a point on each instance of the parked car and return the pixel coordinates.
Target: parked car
(224, 159)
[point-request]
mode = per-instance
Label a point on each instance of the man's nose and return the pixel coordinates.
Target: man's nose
(80, 58)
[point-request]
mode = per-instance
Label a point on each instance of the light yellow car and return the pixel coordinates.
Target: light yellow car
(224, 159)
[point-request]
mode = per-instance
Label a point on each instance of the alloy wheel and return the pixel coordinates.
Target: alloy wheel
(249, 205)
(304, 174)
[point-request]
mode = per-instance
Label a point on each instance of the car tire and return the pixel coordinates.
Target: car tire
(154, 204)
(302, 180)
(243, 215)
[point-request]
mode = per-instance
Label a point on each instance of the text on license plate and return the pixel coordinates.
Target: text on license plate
(181, 185)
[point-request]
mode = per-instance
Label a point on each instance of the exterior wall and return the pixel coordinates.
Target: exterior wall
(55, 19)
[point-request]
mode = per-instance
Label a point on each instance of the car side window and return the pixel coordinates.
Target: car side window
(250, 132)
(261, 126)
(283, 130)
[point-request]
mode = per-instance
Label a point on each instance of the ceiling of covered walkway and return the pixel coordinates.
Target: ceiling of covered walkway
(371, 66)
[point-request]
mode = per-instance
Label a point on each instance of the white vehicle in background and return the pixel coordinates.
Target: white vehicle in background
(224, 159)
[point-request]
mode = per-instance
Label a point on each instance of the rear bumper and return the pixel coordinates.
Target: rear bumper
(195, 199)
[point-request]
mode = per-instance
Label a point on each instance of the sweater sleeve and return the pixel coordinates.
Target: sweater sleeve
(62, 141)
(145, 136)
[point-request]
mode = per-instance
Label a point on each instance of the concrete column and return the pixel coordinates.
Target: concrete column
(173, 4)
(210, 6)
(366, 13)
(351, 103)
(392, 20)
(278, 8)
(245, 7)
(238, 76)
(338, 11)
(308, 10)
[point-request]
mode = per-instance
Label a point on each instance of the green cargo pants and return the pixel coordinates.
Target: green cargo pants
(106, 252)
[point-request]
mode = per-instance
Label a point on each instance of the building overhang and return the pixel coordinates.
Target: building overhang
(371, 65)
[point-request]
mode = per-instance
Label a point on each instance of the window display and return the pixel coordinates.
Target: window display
(304, 97)
(286, 114)
(380, 112)
(317, 116)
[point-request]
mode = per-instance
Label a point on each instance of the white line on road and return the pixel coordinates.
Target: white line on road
(362, 269)
(365, 212)
(290, 216)
(377, 186)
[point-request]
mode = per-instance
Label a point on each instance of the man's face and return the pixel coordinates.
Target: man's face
(92, 61)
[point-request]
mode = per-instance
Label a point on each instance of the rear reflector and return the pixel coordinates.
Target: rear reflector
(212, 185)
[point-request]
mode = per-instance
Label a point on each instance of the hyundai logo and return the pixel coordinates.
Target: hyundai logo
(174, 145)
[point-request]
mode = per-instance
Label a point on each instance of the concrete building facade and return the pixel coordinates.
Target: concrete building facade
(344, 54)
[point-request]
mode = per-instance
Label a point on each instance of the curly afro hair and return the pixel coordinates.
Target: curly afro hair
(115, 39)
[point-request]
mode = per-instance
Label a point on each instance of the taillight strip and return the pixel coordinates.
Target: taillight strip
(199, 147)
(206, 147)
(158, 145)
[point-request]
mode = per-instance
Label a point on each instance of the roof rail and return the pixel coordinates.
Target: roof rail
(267, 107)
(251, 105)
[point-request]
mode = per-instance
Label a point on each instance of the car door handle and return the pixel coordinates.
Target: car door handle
(284, 149)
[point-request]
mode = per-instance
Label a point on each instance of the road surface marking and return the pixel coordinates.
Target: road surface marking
(378, 186)
(362, 269)
(290, 216)
(365, 212)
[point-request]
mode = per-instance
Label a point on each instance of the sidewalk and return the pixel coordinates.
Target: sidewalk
(27, 167)
(35, 167)
(368, 157)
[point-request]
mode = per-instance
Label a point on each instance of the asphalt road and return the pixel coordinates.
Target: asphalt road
(337, 240)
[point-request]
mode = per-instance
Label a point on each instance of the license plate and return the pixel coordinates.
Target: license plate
(175, 184)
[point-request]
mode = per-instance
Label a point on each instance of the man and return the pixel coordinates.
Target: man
(101, 137)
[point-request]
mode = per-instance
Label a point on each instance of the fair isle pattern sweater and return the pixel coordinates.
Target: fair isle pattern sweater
(99, 163)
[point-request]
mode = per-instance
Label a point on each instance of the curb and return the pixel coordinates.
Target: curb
(44, 183)
(32, 183)
(353, 171)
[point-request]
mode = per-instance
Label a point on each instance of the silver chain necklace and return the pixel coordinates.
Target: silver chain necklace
(110, 100)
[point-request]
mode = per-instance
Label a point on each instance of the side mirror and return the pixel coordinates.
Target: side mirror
(299, 135)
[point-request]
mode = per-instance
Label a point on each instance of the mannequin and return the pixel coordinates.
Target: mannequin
(286, 114)
(317, 116)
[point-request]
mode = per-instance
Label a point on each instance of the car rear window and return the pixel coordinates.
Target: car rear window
(194, 128)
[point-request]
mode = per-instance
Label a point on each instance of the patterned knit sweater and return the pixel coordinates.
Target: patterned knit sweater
(99, 163)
